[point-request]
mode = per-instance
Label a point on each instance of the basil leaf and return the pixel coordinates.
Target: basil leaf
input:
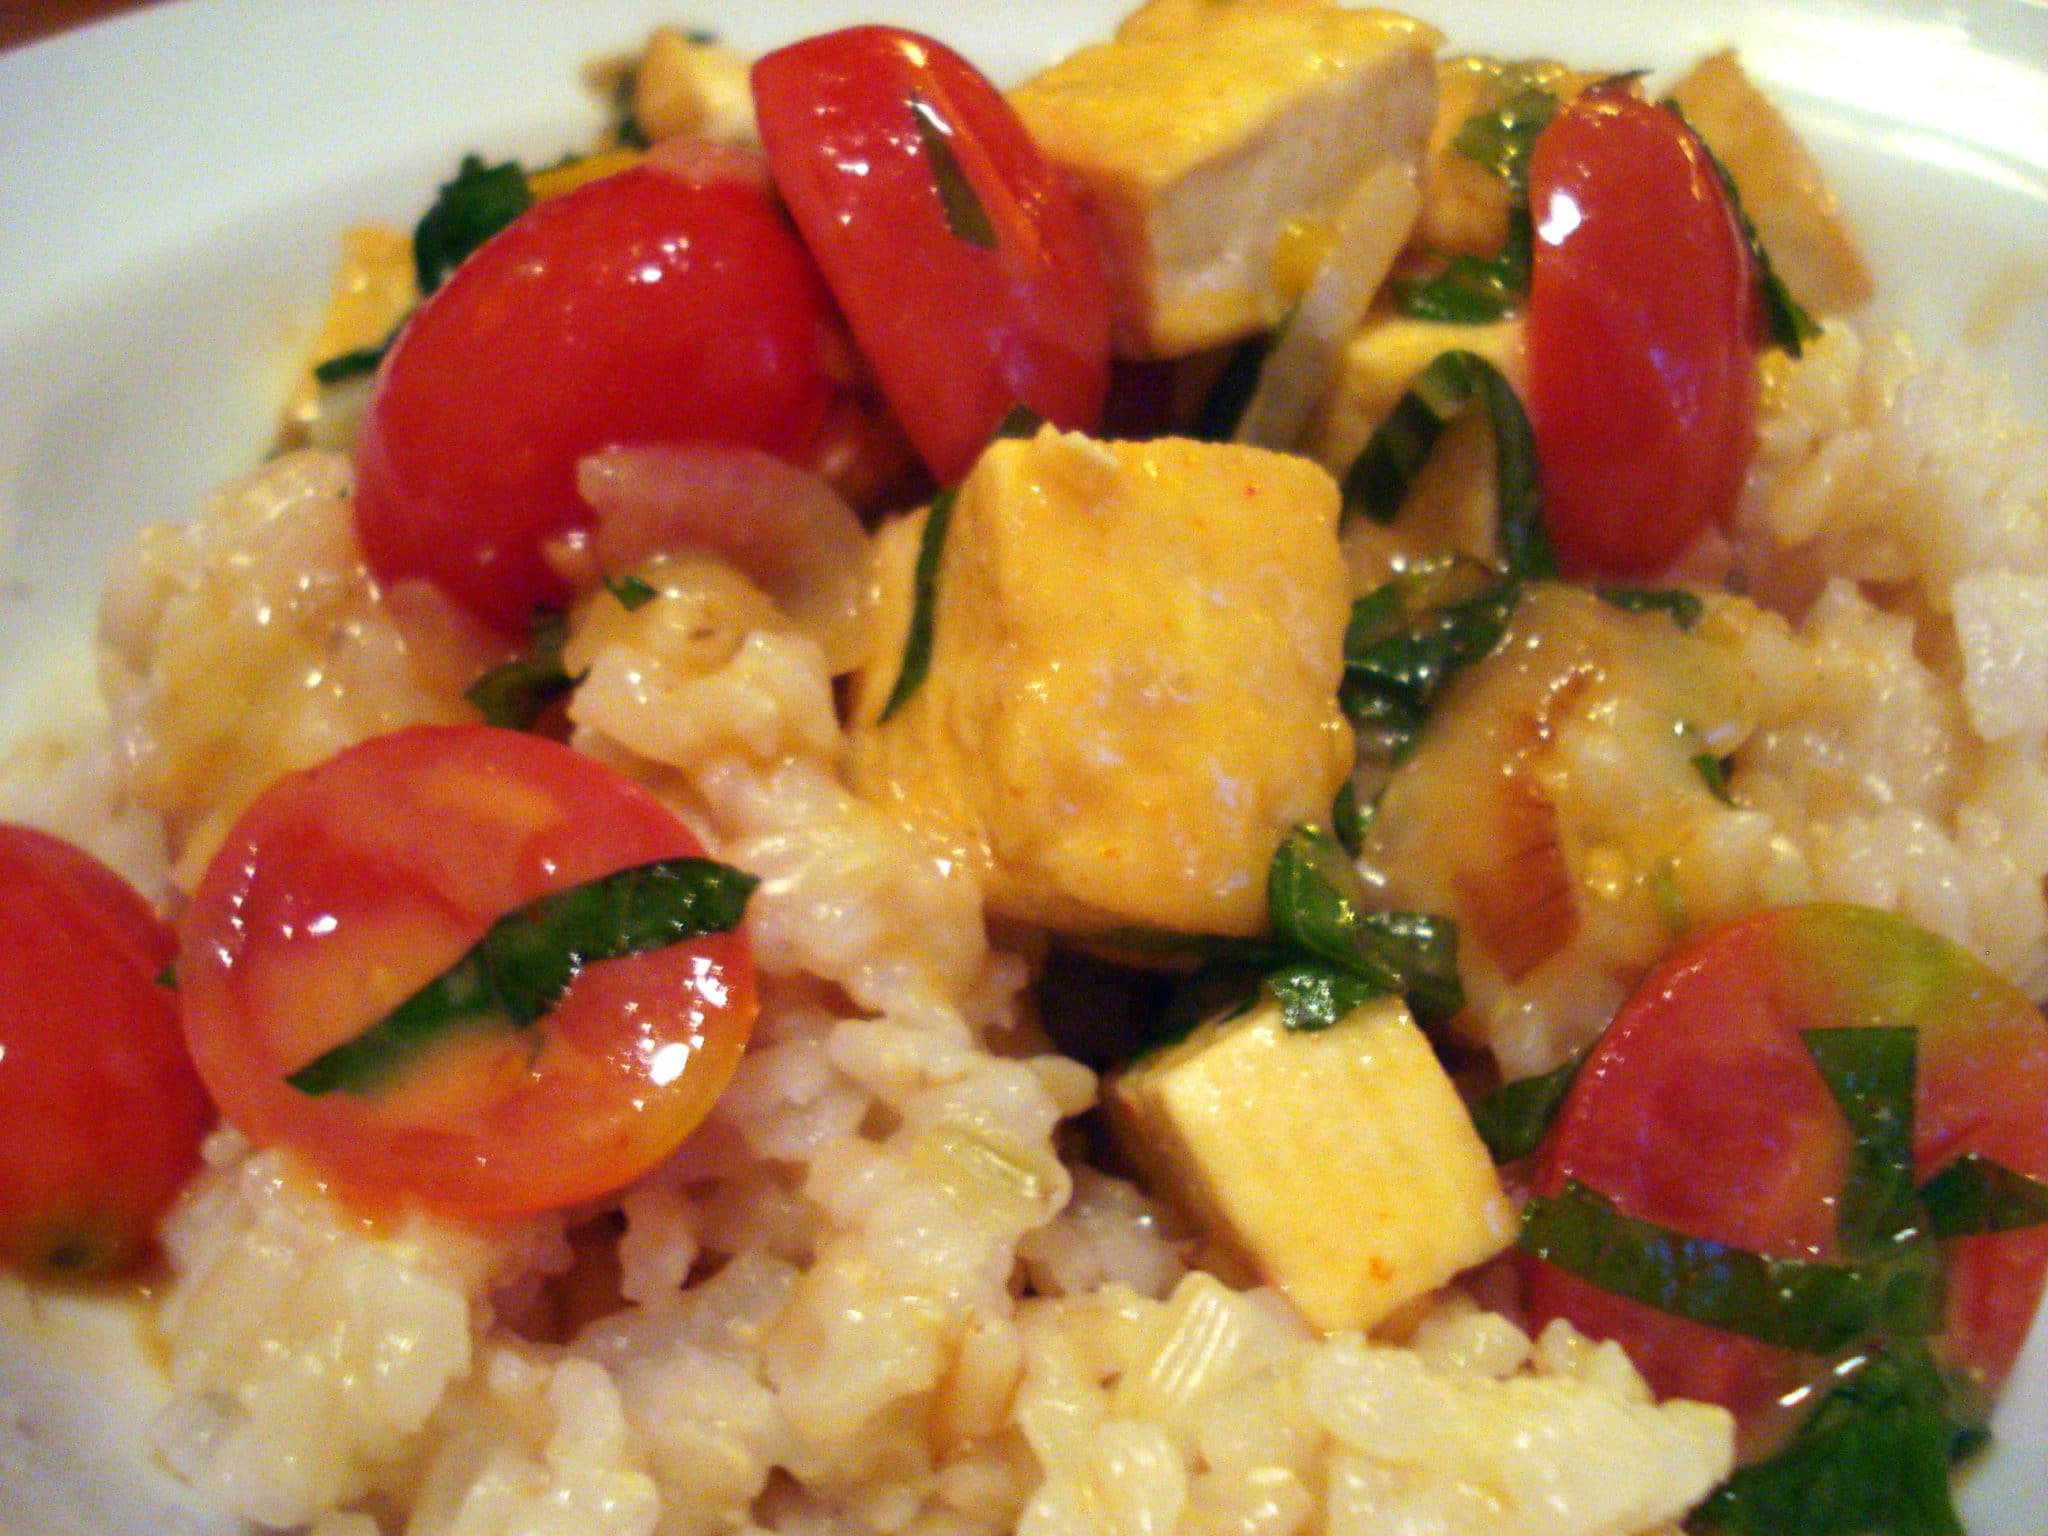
(1408, 638)
(633, 592)
(480, 201)
(1503, 139)
(1785, 322)
(1869, 1072)
(1817, 1308)
(344, 366)
(1973, 1194)
(1514, 1118)
(516, 694)
(518, 971)
(1872, 1459)
(1315, 896)
(1350, 820)
(1019, 421)
(1314, 995)
(1223, 406)
(966, 219)
(1684, 608)
(1380, 477)
(1714, 773)
(917, 645)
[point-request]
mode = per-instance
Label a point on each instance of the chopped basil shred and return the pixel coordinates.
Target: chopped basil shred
(1407, 638)
(1714, 774)
(1380, 477)
(1974, 1194)
(966, 219)
(480, 201)
(518, 971)
(1222, 408)
(1872, 1459)
(515, 694)
(1785, 322)
(344, 366)
(1019, 421)
(917, 645)
(1869, 1072)
(1793, 1303)
(1471, 290)
(1349, 819)
(1685, 609)
(1514, 1118)
(633, 592)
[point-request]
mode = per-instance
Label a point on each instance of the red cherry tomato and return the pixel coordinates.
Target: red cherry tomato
(647, 307)
(959, 324)
(101, 1113)
(347, 887)
(1642, 329)
(1702, 1110)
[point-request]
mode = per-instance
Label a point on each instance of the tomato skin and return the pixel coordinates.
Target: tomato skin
(348, 886)
(1642, 330)
(957, 334)
(1702, 1110)
(101, 1112)
(646, 307)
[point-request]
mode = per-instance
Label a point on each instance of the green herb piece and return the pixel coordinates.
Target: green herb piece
(1785, 322)
(1380, 477)
(1019, 421)
(917, 645)
(633, 592)
(1320, 924)
(1714, 773)
(1869, 1072)
(627, 131)
(1684, 608)
(344, 366)
(1817, 1308)
(1408, 638)
(1871, 1460)
(966, 218)
(1472, 290)
(1514, 1118)
(517, 693)
(168, 977)
(1973, 1194)
(480, 201)
(1223, 407)
(1349, 820)
(517, 972)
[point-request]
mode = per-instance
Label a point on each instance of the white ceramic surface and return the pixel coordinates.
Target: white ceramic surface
(171, 185)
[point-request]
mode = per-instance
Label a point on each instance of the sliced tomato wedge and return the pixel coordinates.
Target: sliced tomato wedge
(1642, 326)
(1702, 1110)
(101, 1113)
(348, 887)
(960, 257)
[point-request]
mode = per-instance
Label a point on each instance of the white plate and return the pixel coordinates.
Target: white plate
(170, 189)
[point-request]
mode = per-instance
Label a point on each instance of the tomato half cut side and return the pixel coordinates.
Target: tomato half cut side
(1702, 1110)
(960, 257)
(347, 887)
(101, 1112)
(1642, 332)
(647, 307)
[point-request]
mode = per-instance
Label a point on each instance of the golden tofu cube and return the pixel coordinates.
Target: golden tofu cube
(1338, 1165)
(1135, 652)
(1206, 144)
(1783, 192)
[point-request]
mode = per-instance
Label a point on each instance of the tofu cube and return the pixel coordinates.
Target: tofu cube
(1132, 688)
(1212, 145)
(1339, 1166)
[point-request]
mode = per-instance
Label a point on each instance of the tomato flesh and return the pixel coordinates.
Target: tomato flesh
(1642, 329)
(347, 887)
(958, 329)
(1703, 1111)
(646, 307)
(101, 1113)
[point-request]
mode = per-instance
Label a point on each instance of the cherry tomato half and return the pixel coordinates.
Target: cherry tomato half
(968, 296)
(1702, 1110)
(1642, 329)
(347, 887)
(101, 1114)
(646, 307)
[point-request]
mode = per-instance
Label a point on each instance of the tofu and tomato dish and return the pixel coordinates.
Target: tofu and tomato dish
(1269, 787)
